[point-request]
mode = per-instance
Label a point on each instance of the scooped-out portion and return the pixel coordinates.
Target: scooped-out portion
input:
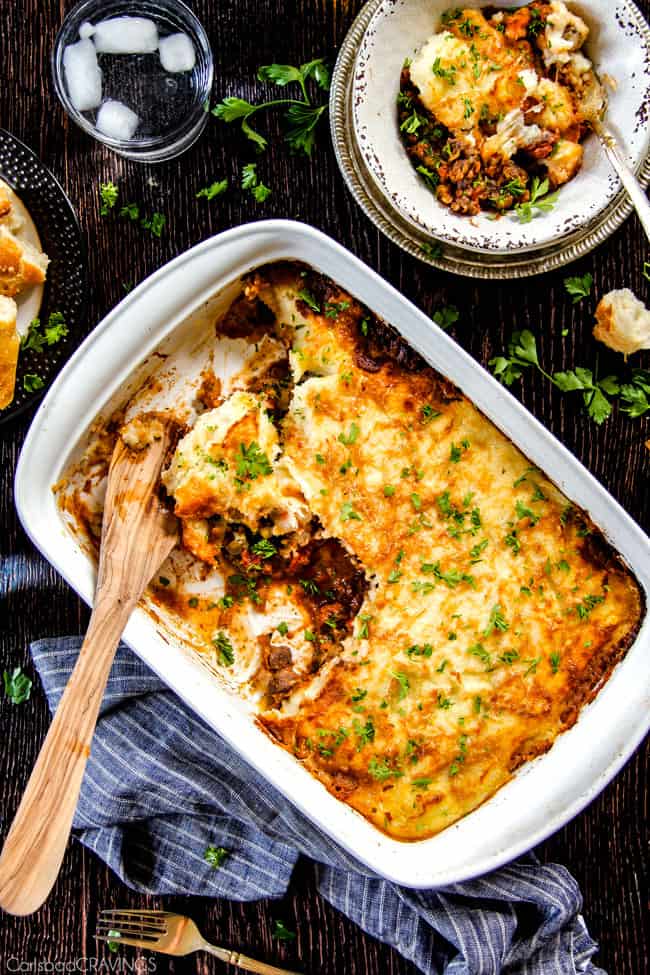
(410, 607)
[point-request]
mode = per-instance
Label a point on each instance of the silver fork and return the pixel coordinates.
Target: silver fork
(171, 934)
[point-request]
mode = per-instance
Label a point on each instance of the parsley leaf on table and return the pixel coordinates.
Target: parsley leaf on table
(635, 395)
(130, 211)
(301, 115)
(282, 932)
(32, 382)
(108, 193)
(446, 316)
(250, 181)
(597, 394)
(18, 686)
(155, 223)
(214, 189)
(579, 287)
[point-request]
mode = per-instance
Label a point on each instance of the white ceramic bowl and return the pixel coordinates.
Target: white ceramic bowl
(618, 45)
(117, 357)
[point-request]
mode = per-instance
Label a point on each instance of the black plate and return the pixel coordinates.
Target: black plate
(66, 284)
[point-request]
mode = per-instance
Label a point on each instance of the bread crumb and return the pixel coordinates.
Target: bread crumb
(623, 322)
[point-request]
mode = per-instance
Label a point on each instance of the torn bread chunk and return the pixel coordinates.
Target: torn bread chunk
(622, 322)
(9, 348)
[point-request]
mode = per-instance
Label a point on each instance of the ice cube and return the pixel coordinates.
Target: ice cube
(126, 35)
(86, 30)
(117, 121)
(83, 77)
(177, 53)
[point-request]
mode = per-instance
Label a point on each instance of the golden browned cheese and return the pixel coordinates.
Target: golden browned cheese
(495, 609)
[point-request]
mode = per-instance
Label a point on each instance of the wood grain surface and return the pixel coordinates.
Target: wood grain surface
(606, 846)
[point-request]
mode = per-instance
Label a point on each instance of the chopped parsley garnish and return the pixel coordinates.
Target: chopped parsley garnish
(478, 650)
(389, 490)
(364, 619)
(215, 855)
(524, 512)
(365, 733)
(226, 602)
(477, 550)
(348, 513)
(448, 74)
(350, 437)
(358, 695)
(554, 660)
(309, 300)
(32, 382)
(224, 648)
(381, 770)
(456, 451)
(422, 783)
(459, 760)
(193, 602)
(579, 287)
(497, 621)
(282, 932)
(17, 685)
(403, 682)
(282, 628)
(395, 575)
(251, 463)
(443, 702)
(214, 189)
(541, 201)
(309, 586)
(334, 308)
(250, 181)
(265, 548)
(420, 650)
(508, 657)
(427, 414)
(588, 604)
(451, 578)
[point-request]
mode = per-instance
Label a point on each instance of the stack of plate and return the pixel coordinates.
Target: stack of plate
(379, 175)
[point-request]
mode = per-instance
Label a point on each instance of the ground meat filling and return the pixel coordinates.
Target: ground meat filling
(456, 165)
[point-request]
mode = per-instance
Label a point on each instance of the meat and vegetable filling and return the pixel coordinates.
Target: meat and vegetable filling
(494, 108)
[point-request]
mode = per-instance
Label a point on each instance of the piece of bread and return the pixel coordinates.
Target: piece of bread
(21, 264)
(5, 201)
(9, 215)
(9, 348)
(623, 322)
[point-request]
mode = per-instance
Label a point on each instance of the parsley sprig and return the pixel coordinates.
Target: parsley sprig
(250, 181)
(579, 287)
(18, 686)
(301, 115)
(541, 201)
(597, 394)
(41, 336)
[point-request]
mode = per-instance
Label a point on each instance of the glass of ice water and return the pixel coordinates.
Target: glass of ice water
(135, 74)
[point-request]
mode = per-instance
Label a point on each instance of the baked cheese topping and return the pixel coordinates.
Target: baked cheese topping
(437, 612)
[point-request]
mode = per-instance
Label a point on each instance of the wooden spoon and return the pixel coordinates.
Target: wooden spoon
(137, 536)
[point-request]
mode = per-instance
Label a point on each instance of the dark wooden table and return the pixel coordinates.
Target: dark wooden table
(606, 846)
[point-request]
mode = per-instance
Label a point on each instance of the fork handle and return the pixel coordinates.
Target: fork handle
(244, 962)
(627, 177)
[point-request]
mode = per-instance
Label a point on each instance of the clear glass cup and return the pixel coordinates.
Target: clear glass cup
(171, 106)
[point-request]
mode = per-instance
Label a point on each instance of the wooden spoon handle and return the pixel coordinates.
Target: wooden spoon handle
(36, 843)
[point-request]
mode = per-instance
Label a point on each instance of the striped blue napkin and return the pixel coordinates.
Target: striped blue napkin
(161, 787)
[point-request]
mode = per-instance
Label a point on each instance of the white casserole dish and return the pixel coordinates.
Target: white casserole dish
(545, 793)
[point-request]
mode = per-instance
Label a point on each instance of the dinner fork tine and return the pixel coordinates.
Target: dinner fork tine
(170, 934)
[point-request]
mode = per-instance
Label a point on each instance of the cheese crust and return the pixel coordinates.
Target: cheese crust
(436, 615)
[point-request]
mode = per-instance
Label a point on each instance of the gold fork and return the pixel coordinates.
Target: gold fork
(170, 934)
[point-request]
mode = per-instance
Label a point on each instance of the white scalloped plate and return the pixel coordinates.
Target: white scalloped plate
(619, 45)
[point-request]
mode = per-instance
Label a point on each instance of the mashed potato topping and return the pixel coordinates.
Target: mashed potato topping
(489, 100)
(412, 609)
